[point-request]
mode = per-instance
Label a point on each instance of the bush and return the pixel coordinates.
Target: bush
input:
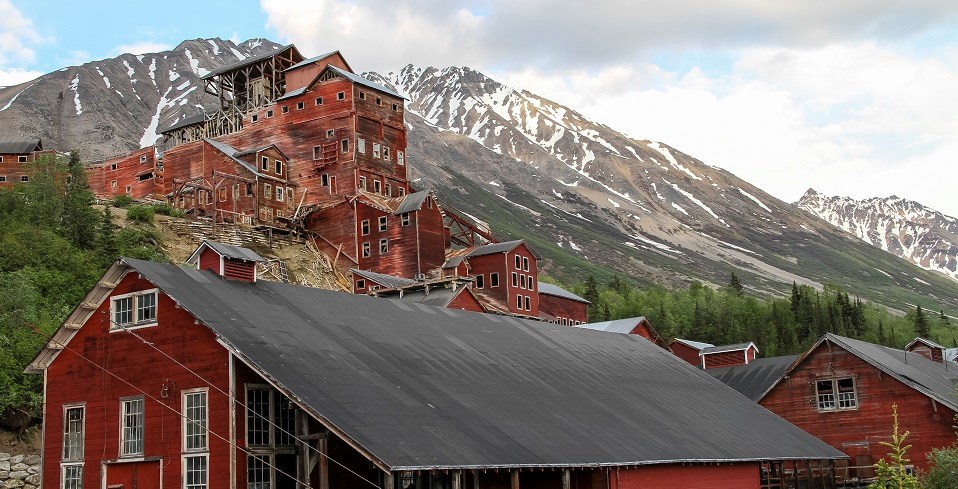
(121, 201)
(943, 473)
(140, 213)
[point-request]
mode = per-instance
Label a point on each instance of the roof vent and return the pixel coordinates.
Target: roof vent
(229, 262)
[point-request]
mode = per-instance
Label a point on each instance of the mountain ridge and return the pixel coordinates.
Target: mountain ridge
(591, 199)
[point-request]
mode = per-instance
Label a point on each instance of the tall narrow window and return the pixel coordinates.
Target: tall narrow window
(385, 153)
(366, 250)
(279, 167)
(258, 472)
(519, 302)
(382, 223)
(267, 190)
(73, 435)
(518, 262)
(257, 416)
(146, 308)
(522, 281)
(195, 472)
(131, 434)
(324, 180)
(400, 158)
(528, 307)
(265, 163)
(405, 218)
(494, 279)
(344, 145)
(377, 186)
(525, 263)
(515, 279)
(361, 145)
(480, 281)
(362, 183)
(194, 421)
(280, 195)
(383, 246)
(364, 226)
(376, 150)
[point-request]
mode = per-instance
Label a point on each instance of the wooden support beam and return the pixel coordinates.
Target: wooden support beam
(515, 479)
(566, 479)
(389, 480)
(456, 479)
(323, 445)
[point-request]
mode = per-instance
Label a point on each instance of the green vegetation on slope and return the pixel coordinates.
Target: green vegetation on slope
(54, 246)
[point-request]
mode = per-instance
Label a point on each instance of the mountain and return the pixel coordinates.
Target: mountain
(115, 105)
(589, 198)
(902, 227)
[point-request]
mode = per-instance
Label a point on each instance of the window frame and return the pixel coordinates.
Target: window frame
(518, 302)
(364, 227)
(184, 463)
(278, 166)
(134, 312)
(319, 101)
(264, 163)
(400, 158)
(73, 458)
(340, 95)
(123, 428)
(21, 159)
(366, 249)
(280, 194)
(515, 279)
(377, 150)
(493, 279)
(377, 186)
(269, 113)
(836, 397)
(386, 153)
(26, 178)
(285, 109)
(267, 191)
(528, 303)
(77, 483)
(404, 219)
(360, 145)
(383, 223)
(383, 246)
(518, 260)
(360, 284)
(300, 105)
(344, 146)
(525, 263)
(480, 281)
(362, 182)
(184, 435)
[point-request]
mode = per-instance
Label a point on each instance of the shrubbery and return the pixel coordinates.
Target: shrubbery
(122, 200)
(140, 213)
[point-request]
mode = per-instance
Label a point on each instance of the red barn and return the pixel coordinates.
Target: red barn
(726, 355)
(931, 350)
(168, 377)
(16, 155)
(133, 174)
(842, 390)
(561, 306)
(689, 350)
(638, 326)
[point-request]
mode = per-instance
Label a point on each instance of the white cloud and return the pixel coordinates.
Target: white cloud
(17, 35)
(140, 48)
(16, 76)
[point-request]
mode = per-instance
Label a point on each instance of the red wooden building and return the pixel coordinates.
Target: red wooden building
(726, 355)
(16, 156)
(506, 277)
(689, 350)
(932, 350)
(638, 326)
(171, 377)
(842, 390)
(561, 306)
(133, 174)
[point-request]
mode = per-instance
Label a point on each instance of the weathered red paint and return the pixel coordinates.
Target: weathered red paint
(506, 293)
(691, 476)
(567, 312)
(728, 358)
(686, 352)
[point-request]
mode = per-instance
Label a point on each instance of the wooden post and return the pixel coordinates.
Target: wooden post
(515, 479)
(323, 444)
(566, 479)
(388, 480)
(456, 479)
(475, 478)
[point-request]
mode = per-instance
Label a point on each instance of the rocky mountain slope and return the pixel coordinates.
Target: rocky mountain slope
(902, 227)
(590, 199)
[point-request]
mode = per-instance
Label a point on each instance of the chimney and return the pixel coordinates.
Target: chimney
(229, 262)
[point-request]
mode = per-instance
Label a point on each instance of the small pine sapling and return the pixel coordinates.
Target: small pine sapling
(891, 473)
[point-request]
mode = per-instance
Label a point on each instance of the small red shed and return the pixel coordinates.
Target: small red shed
(638, 326)
(689, 350)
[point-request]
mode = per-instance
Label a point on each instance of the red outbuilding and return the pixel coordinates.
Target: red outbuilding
(638, 326)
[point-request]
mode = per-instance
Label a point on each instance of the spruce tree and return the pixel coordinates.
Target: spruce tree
(107, 247)
(943, 320)
(591, 290)
(921, 323)
(734, 285)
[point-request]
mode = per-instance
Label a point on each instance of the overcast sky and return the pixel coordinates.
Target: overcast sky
(851, 97)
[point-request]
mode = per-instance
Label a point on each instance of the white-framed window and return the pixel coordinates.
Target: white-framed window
(340, 95)
(364, 227)
(255, 118)
(136, 309)
(522, 280)
(196, 471)
(525, 264)
(330, 133)
(131, 427)
(400, 158)
(267, 190)
(344, 146)
(26, 178)
(519, 302)
(377, 186)
(317, 152)
(379, 101)
(21, 159)
(383, 246)
(404, 218)
(402, 191)
(836, 394)
(360, 284)
(383, 223)
(361, 145)
(195, 420)
(515, 279)
(494, 279)
(528, 302)
(529, 284)
(280, 196)
(71, 476)
(362, 183)
(265, 163)
(142, 158)
(278, 166)
(269, 113)
(518, 262)
(366, 249)
(300, 105)
(73, 433)
(319, 100)
(285, 109)
(362, 95)
(385, 153)
(480, 281)
(377, 148)
(389, 190)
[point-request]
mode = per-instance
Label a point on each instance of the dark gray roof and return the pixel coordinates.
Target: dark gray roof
(292, 93)
(926, 341)
(935, 380)
(724, 348)
(698, 345)
(248, 61)
(19, 146)
(362, 81)
(557, 291)
(412, 202)
(233, 153)
(618, 326)
(438, 296)
(227, 251)
(388, 281)
(453, 262)
(753, 380)
(421, 387)
(492, 248)
(311, 60)
(186, 121)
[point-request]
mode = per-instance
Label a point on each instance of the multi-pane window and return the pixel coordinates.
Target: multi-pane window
(131, 433)
(376, 150)
(366, 250)
(195, 472)
(73, 434)
(405, 219)
(271, 459)
(834, 394)
(267, 190)
(383, 246)
(382, 223)
(280, 194)
(257, 416)
(194, 421)
(361, 145)
(136, 309)
(365, 226)
(72, 476)
(258, 472)
(400, 158)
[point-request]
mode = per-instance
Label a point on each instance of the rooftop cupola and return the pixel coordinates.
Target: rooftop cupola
(229, 262)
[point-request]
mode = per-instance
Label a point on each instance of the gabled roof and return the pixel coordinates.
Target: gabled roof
(504, 247)
(624, 326)
(412, 202)
(555, 290)
(438, 296)
(388, 281)
(20, 146)
(226, 251)
(359, 81)
(926, 341)
(753, 380)
(419, 387)
(251, 60)
(186, 121)
(726, 348)
(315, 59)
(935, 380)
(234, 154)
(697, 345)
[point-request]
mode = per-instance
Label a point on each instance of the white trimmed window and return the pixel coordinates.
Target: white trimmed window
(385, 153)
(480, 281)
(525, 263)
(400, 158)
(361, 145)
(195, 471)
(376, 150)
(377, 186)
(383, 223)
(366, 249)
(71, 464)
(405, 218)
(265, 162)
(195, 421)
(494, 279)
(519, 302)
(280, 195)
(279, 166)
(528, 302)
(383, 246)
(136, 309)
(364, 226)
(515, 279)
(836, 394)
(518, 262)
(362, 183)
(267, 190)
(131, 423)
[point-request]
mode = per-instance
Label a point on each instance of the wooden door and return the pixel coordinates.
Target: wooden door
(134, 475)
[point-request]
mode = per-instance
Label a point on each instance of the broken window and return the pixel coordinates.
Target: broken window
(834, 394)
(319, 100)
(361, 145)
(285, 109)
(405, 217)
(344, 145)
(366, 250)
(341, 96)
(365, 227)
(300, 105)
(382, 223)
(400, 158)
(279, 167)
(480, 281)
(383, 246)
(494, 279)
(377, 186)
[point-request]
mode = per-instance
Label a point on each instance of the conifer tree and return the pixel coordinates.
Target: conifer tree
(943, 320)
(734, 285)
(107, 247)
(891, 473)
(921, 323)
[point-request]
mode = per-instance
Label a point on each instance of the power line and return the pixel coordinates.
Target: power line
(153, 398)
(235, 401)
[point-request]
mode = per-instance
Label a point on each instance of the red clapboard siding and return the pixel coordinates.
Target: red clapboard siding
(563, 308)
(239, 270)
(727, 358)
(685, 352)
(465, 301)
(70, 379)
(794, 399)
(504, 264)
(733, 476)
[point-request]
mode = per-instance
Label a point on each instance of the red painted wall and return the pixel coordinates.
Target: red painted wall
(732, 476)
(71, 379)
(504, 265)
(685, 352)
(572, 311)
(465, 301)
(727, 358)
(133, 174)
(795, 400)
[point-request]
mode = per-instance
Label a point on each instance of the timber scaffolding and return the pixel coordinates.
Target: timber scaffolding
(320, 271)
(815, 474)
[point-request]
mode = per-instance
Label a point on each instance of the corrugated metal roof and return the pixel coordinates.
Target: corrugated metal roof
(248, 61)
(412, 202)
(19, 146)
(698, 345)
(753, 380)
(362, 81)
(617, 326)
(550, 289)
(232, 153)
(492, 248)
(423, 387)
(292, 93)
(186, 121)
(310, 60)
(388, 281)
(725, 348)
